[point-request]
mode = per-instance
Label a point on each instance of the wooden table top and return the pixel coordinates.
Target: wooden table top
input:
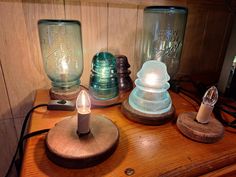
(149, 150)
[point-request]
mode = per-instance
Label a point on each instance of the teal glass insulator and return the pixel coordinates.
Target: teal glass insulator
(61, 47)
(150, 95)
(104, 79)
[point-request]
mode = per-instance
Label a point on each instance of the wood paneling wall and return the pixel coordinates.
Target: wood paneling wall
(113, 25)
(206, 37)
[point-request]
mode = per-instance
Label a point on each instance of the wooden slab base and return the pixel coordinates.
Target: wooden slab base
(143, 118)
(65, 148)
(72, 95)
(102, 103)
(211, 132)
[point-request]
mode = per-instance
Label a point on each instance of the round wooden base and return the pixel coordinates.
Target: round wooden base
(143, 118)
(102, 103)
(205, 133)
(72, 95)
(65, 148)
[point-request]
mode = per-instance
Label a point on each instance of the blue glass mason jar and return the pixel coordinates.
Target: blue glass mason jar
(61, 47)
(163, 35)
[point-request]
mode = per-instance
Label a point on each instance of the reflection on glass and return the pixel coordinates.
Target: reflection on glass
(163, 35)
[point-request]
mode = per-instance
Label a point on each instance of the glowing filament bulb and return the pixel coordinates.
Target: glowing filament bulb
(206, 108)
(210, 97)
(64, 66)
(151, 79)
(83, 103)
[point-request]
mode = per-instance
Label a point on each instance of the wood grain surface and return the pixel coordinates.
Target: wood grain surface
(203, 20)
(149, 150)
(72, 95)
(8, 143)
(20, 53)
(122, 21)
(93, 17)
(5, 109)
(138, 2)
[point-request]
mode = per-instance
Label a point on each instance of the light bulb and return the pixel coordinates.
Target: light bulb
(211, 96)
(83, 103)
(64, 66)
(151, 79)
(206, 108)
(153, 75)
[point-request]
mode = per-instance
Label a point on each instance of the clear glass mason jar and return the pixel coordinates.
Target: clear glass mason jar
(163, 34)
(61, 47)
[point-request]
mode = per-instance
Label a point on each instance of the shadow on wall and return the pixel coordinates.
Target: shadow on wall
(10, 129)
(8, 142)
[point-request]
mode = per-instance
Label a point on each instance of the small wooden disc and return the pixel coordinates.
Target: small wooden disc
(65, 148)
(205, 133)
(72, 95)
(101, 103)
(143, 118)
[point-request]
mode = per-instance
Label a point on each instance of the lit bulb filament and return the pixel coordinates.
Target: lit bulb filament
(83, 103)
(64, 66)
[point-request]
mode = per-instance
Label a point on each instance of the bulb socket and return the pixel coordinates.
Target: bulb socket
(204, 113)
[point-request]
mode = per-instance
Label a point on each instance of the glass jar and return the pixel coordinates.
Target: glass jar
(61, 47)
(163, 34)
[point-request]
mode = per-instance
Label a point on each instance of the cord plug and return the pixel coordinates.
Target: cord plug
(61, 105)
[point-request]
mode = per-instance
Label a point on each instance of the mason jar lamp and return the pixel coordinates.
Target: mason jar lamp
(149, 102)
(163, 34)
(61, 47)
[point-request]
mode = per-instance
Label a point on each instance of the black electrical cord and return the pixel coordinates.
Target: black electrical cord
(229, 106)
(194, 106)
(21, 139)
(190, 95)
(217, 113)
(29, 135)
(25, 124)
(227, 111)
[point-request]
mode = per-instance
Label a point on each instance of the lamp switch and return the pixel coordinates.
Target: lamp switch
(61, 105)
